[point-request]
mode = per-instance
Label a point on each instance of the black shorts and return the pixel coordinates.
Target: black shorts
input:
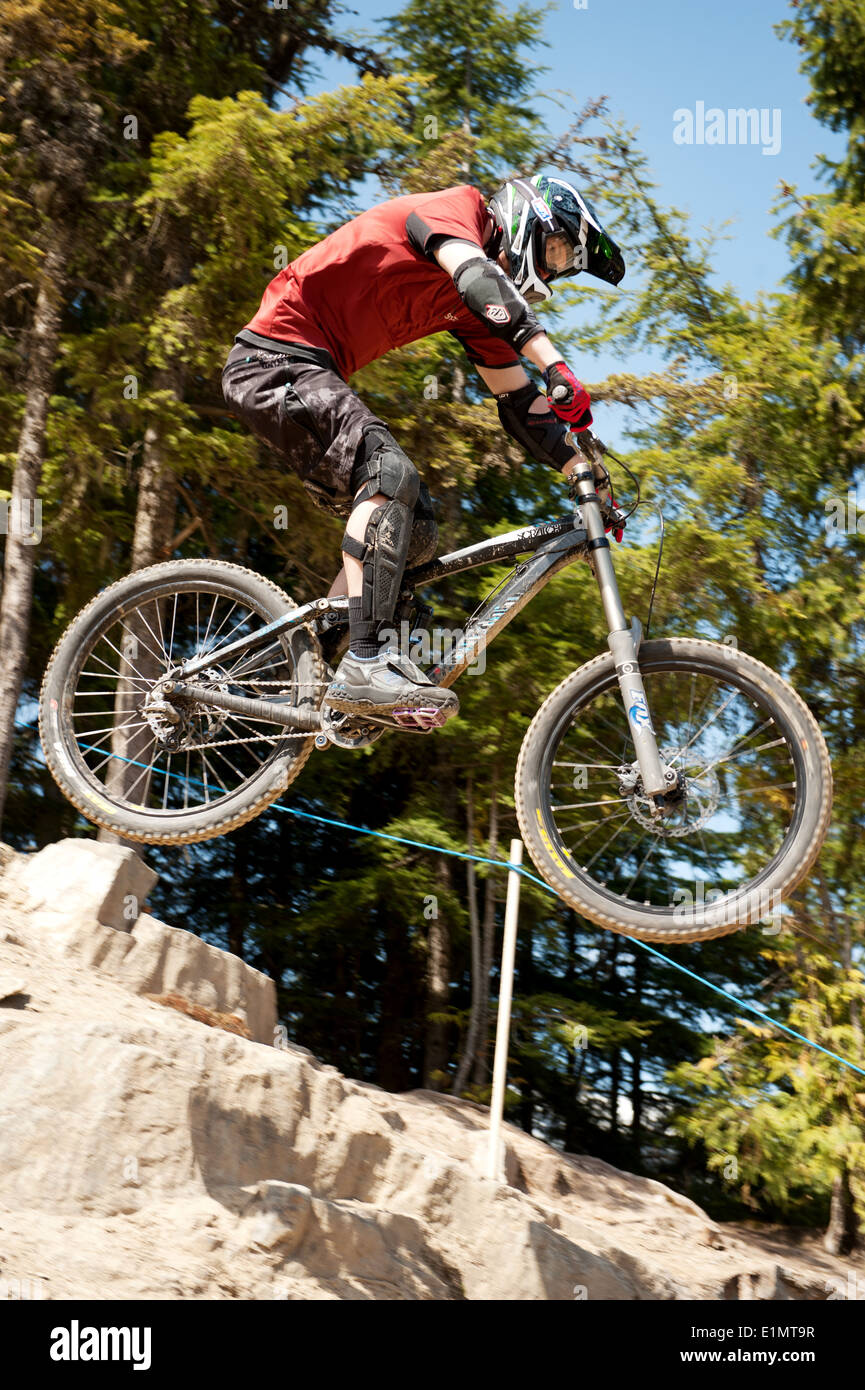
(296, 401)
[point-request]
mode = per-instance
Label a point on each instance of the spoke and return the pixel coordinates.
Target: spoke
(762, 749)
(584, 805)
(144, 773)
(127, 661)
(99, 713)
(691, 705)
(244, 661)
(210, 619)
(113, 728)
(704, 727)
(92, 694)
(255, 736)
(171, 638)
(769, 787)
(214, 773)
(591, 738)
(155, 603)
(582, 825)
(99, 675)
(136, 637)
(222, 625)
(107, 759)
(649, 852)
(614, 836)
(226, 759)
(611, 766)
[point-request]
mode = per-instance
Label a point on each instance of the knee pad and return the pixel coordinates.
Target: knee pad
(424, 532)
(387, 539)
(382, 466)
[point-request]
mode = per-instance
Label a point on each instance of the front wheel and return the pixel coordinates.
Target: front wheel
(754, 796)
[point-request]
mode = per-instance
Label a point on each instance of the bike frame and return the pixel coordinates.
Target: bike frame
(551, 546)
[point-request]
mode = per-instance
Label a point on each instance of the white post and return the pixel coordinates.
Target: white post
(495, 1168)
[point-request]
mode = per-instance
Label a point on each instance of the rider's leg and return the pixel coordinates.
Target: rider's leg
(337, 446)
(376, 547)
(376, 541)
(363, 626)
(422, 545)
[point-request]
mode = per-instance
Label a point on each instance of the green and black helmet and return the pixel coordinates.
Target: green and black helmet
(547, 229)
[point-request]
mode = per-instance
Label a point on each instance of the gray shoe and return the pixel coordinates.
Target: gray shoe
(390, 687)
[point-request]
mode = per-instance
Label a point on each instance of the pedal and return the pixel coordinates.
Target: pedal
(421, 720)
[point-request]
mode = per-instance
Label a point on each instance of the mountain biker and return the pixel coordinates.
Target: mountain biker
(412, 266)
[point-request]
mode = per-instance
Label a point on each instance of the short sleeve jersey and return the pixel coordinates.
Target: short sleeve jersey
(373, 284)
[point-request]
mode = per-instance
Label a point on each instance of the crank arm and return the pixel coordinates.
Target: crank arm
(288, 715)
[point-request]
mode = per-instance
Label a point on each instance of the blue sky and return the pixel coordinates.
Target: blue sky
(651, 58)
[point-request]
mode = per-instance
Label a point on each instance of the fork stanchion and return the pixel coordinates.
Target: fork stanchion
(494, 1166)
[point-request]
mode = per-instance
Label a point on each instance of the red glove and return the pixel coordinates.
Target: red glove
(567, 396)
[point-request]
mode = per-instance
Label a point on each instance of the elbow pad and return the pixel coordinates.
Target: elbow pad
(542, 433)
(490, 295)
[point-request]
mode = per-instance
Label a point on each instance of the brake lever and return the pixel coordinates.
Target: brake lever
(590, 445)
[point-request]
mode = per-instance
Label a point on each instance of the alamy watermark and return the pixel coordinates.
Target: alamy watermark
(442, 646)
(736, 126)
(846, 514)
(760, 905)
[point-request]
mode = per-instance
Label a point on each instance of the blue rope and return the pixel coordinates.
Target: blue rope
(518, 868)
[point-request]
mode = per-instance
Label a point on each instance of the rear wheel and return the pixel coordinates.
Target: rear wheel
(123, 755)
(753, 805)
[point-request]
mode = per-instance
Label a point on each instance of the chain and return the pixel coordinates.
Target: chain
(288, 686)
(254, 738)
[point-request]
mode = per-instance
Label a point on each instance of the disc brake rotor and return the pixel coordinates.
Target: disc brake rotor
(700, 793)
(182, 726)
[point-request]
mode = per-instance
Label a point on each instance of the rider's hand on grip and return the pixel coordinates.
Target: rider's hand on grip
(567, 396)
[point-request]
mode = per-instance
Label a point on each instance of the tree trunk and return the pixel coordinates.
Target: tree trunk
(437, 998)
(157, 487)
(396, 1000)
(480, 989)
(154, 527)
(24, 529)
(238, 893)
(615, 1061)
(488, 939)
(842, 1233)
(637, 1065)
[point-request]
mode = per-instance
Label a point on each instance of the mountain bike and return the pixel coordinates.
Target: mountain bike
(674, 789)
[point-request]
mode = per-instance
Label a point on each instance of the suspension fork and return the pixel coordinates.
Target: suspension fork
(623, 637)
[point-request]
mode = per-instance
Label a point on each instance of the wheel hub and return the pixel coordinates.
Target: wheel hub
(188, 724)
(702, 793)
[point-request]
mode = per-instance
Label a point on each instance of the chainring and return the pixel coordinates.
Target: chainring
(347, 731)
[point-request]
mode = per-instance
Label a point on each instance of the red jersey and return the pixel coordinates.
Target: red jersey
(373, 285)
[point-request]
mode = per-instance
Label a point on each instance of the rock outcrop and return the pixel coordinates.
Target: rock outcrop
(146, 1154)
